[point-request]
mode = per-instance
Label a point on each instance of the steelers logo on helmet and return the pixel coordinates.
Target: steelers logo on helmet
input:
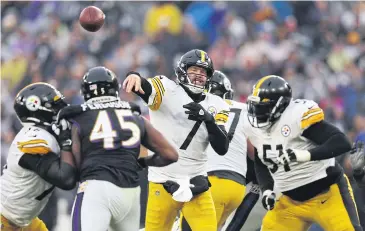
(285, 130)
(212, 110)
(227, 84)
(33, 103)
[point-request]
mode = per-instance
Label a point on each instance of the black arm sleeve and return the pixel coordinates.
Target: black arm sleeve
(51, 169)
(332, 142)
(218, 138)
(156, 160)
(263, 175)
(146, 86)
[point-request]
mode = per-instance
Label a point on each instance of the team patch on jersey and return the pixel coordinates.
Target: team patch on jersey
(212, 110)
(33, 102)
(285, 130)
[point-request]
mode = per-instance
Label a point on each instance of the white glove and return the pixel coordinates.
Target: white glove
(268, 199)
(184, 193)
(293, 155)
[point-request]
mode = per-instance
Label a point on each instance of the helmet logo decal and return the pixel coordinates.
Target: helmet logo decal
(33, 103)
(92, 87)
(57, 97)
(227, 84)
(285, 130)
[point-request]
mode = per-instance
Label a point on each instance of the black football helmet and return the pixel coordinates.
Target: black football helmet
(220, 85)
(98, 82)
(270, 97)
(38, 103)
(197, 58)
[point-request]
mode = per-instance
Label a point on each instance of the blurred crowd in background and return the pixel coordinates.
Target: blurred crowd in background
(318, 47)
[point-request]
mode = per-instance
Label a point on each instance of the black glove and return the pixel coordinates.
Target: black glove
(142, 162)
(200, 184)
(171, 186)
(63, 131)
(196, 112)
(268, 199)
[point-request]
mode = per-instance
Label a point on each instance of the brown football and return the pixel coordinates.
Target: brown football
(92, 18)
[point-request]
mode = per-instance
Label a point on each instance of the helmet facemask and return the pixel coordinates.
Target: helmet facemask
(263, 113)
(184, 79)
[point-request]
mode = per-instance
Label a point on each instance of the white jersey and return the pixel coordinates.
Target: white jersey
(24, 194)
(235, 158)
(287, 133)
(189, 137)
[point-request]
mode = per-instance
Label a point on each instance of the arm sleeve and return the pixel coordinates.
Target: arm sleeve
(330, 140)
(51, 169)
(263, 175)
(218, 138)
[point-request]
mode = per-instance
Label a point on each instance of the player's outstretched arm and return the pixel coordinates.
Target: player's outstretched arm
(59, 171)
(134, 82)
(165, 153)
(330, 140)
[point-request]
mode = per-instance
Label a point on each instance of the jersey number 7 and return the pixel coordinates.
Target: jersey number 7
(232, 129)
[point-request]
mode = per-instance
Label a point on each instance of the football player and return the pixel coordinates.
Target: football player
(106, 140)
(295, 149)
(228, 171)
(357, 160)
(34, 167)
(190, 119)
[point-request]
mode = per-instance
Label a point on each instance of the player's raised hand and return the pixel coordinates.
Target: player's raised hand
(268, 199)
(133, 81)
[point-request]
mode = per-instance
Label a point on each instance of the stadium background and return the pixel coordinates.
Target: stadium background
(318, 47)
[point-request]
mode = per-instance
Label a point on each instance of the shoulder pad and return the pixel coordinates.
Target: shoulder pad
(35, 141)
(309, 111)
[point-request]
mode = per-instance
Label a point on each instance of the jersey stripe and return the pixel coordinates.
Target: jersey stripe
(158, 96)
(314, 110)
(221, 117)
(159, 83)
(309, 119)
(37, 146)
(258, 85)
(202, 56)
